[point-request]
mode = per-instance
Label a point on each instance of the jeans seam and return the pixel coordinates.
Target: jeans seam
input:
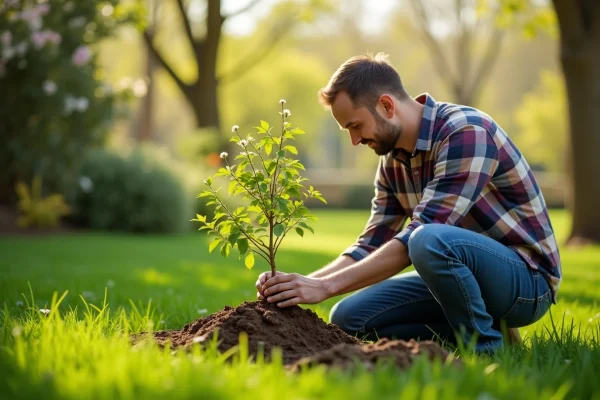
(377, 314)
(486, 249)
(465, 296)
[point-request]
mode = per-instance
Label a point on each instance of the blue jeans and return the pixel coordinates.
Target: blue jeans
(465, 284)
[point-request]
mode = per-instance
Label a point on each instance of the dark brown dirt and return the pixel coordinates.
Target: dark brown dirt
(303, 337)
(296, 331)
(397, 352)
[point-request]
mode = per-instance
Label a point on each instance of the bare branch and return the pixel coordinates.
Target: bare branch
(439, 59)
(186, 22)
(258, 54)
(182, 85)
(489, 58)
(243, 9)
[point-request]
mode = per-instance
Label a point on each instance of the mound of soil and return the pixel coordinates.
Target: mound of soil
(398, 352)
(296, 331)
(303, 337)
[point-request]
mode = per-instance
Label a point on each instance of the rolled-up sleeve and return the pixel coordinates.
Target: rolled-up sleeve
(387, 217)
(465, 164)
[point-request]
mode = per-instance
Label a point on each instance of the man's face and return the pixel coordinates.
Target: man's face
(365, 127)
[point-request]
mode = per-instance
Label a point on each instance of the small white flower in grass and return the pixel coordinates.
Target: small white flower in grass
(17, 330)
(250, 138)
(110, 283)
(243, 143)
(45, 311)
(282, 101)
(224, 155)
(235, 128)
(287, 113)
(199, 339)
(202, 311)
(19, 304)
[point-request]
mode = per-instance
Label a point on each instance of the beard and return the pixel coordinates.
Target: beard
(385, 137)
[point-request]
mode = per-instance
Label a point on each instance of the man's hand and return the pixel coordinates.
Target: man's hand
(262, 278)
(291, 289)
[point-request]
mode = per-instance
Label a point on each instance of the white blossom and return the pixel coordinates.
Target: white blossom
(45, 311)
(286, 113)
(49, 87)
(282, 101)
(243, 143)
(19, 303)
(6, 38)
(21, 49)
(86, 184)
(250, 138)
(82, 104)
(8, 53)
(235, 128)
(139, 88)
(69, 6)
(224, 154)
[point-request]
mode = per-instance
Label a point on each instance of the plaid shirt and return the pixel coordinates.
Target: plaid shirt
(466, 172)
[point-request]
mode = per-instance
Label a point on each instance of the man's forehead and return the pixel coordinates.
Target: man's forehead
(344, 112)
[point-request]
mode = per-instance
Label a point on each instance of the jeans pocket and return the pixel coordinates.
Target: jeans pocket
(527, 311)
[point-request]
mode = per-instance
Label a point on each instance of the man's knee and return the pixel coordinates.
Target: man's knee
(425, 242)
(344, 315)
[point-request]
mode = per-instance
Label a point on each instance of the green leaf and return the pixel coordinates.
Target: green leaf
(214, 244)
(234, 139)
(297, 131)
(281, 153)
(209, 181)
(291, 149)
(305, 226)
(233, 238)
(278, 229)
(264, 125)
(242, 246)
(249, 261)
(232, 186)
(300, 232)
(206, 193)
(255, 209)
(268, 148)
(200, 218)
(226, 249)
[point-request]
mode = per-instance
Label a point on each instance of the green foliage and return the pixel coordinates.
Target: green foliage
(543, 120)
(57, 104)
(130, 194)
(269, 178)
(39, 211)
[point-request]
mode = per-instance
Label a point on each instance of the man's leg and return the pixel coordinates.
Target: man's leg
(400, 307)
(477, 281)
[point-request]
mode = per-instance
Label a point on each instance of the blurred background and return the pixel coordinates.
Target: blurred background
(113, 112)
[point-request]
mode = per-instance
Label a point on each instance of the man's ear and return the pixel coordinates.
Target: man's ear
(387, 102)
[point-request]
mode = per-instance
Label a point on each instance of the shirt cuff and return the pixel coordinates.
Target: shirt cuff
(356, 252)
(405, 234)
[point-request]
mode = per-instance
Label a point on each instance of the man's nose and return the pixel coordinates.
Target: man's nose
(356, 139)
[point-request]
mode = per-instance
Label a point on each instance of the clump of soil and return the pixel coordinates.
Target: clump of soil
(303, 337)
(296, 331)
(398, 352)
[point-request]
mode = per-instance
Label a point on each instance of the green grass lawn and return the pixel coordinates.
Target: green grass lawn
(79, 349)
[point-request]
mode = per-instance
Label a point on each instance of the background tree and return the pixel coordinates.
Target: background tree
(459, 67)
(204, 38)
(579, 25)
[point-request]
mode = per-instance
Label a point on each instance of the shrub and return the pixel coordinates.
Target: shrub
(57, 105)
(132, 194)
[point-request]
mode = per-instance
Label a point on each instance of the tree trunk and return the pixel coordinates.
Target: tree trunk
(579, 22)
(145, 125)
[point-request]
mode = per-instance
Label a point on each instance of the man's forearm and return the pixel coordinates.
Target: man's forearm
(338, 264)
(387, 261)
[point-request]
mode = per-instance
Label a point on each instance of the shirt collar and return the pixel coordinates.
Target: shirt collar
(425, 130)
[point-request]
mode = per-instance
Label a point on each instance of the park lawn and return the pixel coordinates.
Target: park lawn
(79, 350)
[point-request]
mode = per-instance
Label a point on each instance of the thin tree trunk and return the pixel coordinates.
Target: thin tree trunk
(579, 23)
(146, 125)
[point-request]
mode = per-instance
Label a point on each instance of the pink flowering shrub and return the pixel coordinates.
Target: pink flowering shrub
(54, 106)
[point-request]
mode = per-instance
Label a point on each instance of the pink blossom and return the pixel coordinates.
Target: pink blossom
(38, 39)
(81, 56)
(54, 37)
(43, 9)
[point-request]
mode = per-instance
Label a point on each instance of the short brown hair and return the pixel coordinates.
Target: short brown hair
(364, 78)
